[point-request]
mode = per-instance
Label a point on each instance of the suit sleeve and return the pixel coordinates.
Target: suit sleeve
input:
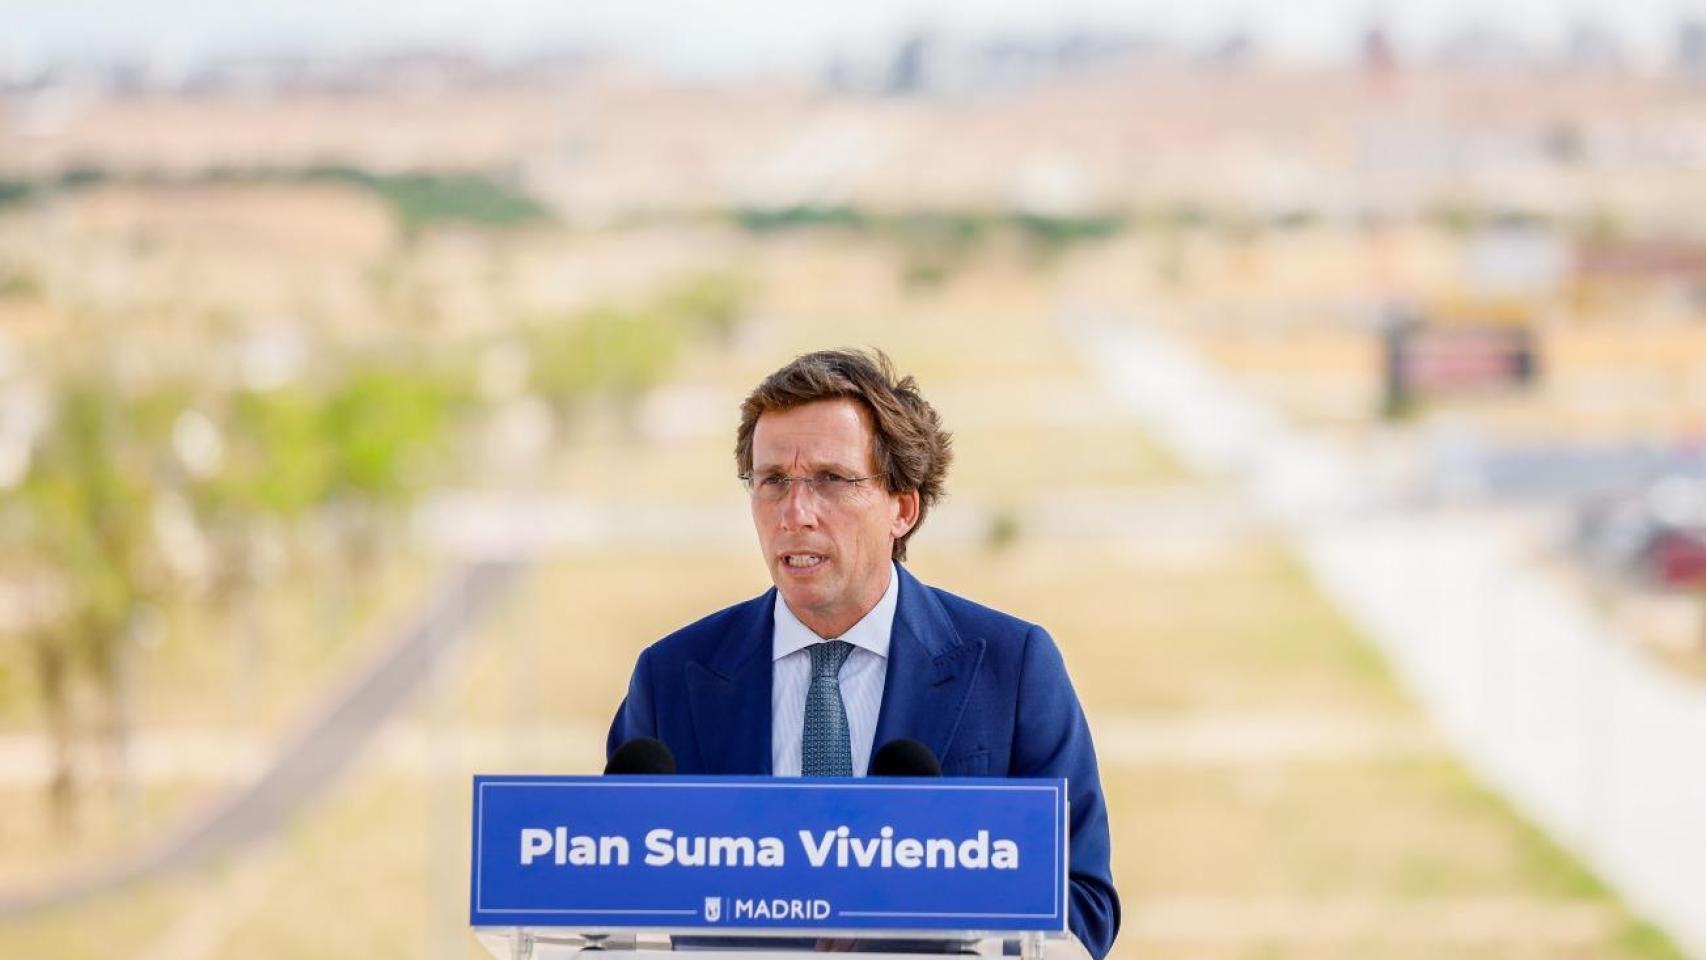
(636, 715)
(1053, 740)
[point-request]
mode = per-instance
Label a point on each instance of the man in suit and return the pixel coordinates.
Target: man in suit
(849, 651)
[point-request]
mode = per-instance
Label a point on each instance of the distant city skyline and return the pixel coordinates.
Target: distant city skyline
(723, 38)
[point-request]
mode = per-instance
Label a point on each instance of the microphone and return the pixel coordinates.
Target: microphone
(904, 758)
(643, 755)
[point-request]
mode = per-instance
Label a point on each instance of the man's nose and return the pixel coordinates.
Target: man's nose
(799, 506)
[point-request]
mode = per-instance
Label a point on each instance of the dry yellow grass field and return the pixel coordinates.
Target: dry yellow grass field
(1273, 793)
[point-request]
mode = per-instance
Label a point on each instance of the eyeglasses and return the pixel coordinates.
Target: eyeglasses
(829, 487)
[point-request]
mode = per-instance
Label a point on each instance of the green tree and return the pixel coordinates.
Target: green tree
(384, 429)
(87, 527)
(619, 353)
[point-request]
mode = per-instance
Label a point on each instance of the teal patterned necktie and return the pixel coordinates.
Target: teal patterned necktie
(825, 748)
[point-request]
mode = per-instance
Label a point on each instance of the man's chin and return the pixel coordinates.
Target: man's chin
(803, 599)
(799, 596)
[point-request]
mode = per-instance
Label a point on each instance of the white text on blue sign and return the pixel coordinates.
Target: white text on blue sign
(836, 847)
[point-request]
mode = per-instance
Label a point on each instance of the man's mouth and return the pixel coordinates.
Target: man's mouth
(802, 561)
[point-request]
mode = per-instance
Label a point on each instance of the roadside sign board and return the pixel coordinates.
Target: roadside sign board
(769, 853)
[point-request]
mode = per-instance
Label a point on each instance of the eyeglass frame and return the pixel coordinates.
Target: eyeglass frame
(847, 486)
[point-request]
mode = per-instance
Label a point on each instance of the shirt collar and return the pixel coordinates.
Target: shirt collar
(870, 633)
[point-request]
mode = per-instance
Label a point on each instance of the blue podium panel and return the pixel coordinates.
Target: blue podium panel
(769, 853)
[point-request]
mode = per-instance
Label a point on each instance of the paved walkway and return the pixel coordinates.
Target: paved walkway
(313, 759)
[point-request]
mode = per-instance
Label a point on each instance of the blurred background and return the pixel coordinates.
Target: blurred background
(1329, 377)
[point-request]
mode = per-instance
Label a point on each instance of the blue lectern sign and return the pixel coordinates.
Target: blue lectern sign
(763, 852)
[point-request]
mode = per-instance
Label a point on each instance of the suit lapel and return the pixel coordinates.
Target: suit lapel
(930, 672)
(729, 695)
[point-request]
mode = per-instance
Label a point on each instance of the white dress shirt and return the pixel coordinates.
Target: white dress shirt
(861, 680)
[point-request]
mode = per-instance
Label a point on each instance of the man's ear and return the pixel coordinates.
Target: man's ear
(906, 517)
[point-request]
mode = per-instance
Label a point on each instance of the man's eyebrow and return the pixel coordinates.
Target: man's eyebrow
(769, 469)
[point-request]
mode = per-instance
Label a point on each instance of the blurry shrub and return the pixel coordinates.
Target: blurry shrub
(623, 352)
(423, 199)
(1170, 260)
(921, 270)
(1296, 220)
(1518, 219)
(381, 424)
(277, 462)
(1184, 216)
(1003, 531)
(14, 192)
(1453, 218)
(712, 302)
(1465, 218)
(1640, 938)
(934, 242)
(767, 220)
(82, 176)
(419, 199)
(944, 229)
(618, 352)
(1056, 233)
(18, 284)
(371, 435)
(386, 430)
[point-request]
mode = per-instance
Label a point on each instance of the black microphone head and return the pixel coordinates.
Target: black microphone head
(641, 755)
(905, 758)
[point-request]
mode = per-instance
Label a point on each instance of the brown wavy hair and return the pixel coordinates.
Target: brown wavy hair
(912, 450)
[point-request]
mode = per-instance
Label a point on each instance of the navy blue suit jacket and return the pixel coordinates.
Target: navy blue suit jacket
(988, 693)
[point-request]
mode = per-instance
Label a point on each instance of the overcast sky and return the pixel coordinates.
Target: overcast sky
(740, 36)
